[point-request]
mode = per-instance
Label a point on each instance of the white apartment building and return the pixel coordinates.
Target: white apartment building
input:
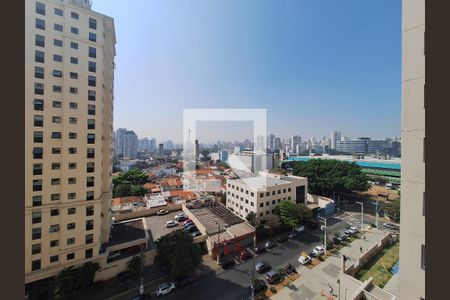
(261, 194)
(69, 74)
(253, 161)
(412, 221)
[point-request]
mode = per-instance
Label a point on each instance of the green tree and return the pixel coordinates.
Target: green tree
(177, 252)
(134, 264)
(122, 189)
(251, 218)
(73, 280)
(326, 176)
(304, 213)
(288, 212)
(137, 190)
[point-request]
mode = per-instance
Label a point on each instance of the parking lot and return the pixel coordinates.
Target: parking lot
(157, 227)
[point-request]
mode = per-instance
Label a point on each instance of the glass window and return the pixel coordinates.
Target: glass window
(37, 152)
(90, 167)
(57, 73)
(54, 212)
(92, 52)
(40, 8)
(74, 60)
(74, 15)
(91, 109)
(90, 181)
(40, 24)
(56, 150)
(91, 138)
(92, 37)
(58, 11)
(36, 265)
(57, 89)
(72, 180)
(70, 256)
(92, 23)
(73, 30)
(37, 185)
(38, 104)
(58, 27)
(57, 104)
(91, 124)
(57, 43)
(73, 75)
(54, 243)
(71, 196)
(73, 105)
(39, 72)
(57, 58)
(72, 135)
(38, 121)
(39, 56)
(70, 241)
(88, 253)
(89, 224)
(39, 88)
(56, 181)
(36, 217)
(73, 120)
(54, 228)
(56, 166)
(90, 195)
(90, 153)
(37, 169)
(89, 210)
(73, 45)
(70, 226)
(54, 258)
(72, 150)
(56, 120)
(91, 95)
(37, 201)
(36, 233)
(92, 81)
(39, 40)
(89, 238)
(73, 90)
(71, 210)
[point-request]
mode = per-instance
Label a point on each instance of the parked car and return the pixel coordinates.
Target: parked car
(353, 230)
(227, 263)
(261, 266)
(162, 212)
(292, 234)
(180, 216)
(188, 221)
(304, 259)
(273, 277)
(313, 254)
(282, 238)
(335, 240)
(165, 288)
(196, 233)
(270, 244)
(244, 255)
(187, 281)
(343, 236)
(300, 229)
(258, 249)
(319, 250)
(188, 224)
(142, 297)
(191, 229)
(391, 226)
(171, 223)
(188, 227)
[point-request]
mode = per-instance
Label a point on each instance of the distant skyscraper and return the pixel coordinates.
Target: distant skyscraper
(161, 148)
(127, 143)
(295, 140)
(277, 143)
(197, 148)
(335, 137)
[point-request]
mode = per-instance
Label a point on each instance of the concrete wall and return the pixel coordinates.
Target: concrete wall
(144, 212)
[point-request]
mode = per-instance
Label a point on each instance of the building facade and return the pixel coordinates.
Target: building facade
(261, 194)
(126, 142)
(335, 137)
(69, 69)
(412, 221)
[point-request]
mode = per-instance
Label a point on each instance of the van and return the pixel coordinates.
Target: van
(304, 259)
(273, 277)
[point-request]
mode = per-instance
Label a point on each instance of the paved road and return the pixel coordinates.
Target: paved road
(233, 283)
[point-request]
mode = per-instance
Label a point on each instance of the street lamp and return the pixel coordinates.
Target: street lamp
(324, 232)
(362, 214)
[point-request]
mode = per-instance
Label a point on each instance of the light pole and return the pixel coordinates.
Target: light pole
(218, 241)
(324, 233)
(362, 214)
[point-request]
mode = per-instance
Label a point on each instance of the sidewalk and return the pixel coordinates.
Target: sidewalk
(312, 283)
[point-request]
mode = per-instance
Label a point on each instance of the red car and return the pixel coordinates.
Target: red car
(188, 221)
(244, 255)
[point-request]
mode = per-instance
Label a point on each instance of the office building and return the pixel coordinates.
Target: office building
(261, 194)
(335, 137)
(412, 229)
(251, 161)
(161, 148)
(365, 145)
(126, 143)
(295, 142)
(69, 75)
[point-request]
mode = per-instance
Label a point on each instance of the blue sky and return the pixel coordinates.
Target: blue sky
(315, 65)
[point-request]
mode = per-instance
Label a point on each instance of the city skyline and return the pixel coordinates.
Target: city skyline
(227, 55)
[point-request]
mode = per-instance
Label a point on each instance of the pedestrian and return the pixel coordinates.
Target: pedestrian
(360, 249)
(331, 291)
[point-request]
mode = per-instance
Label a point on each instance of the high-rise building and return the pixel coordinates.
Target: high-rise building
(412, 221)
(161, 148)
(295, 140)
(335, 137)
(197, 148)
(126, 143)
(69, 74)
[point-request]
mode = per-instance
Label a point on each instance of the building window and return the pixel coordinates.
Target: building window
(58, 27)
(73, 105)
(39, 40)
(261, 214)
(73, 45)
(92, 66)
(90, 167)
(267, 212)
(92, 81)
(36, 217)
(261, 204)
(90, 153)
(74, 60)
(54, 212)
(38, 137)
(39, 88)
(73, 90)
(36, 265)
(57, 89)
(57, 43)
(73, 121)
(70, 256)
(89, 224)
(40, 8)
(91, 109)
(267, 203)
(88, 253)
(57, 73)
(74, 15)
(89, 238)
(55, 197)
(37, 169)
(73, 75)
(252, 203)
(56, 135)
(71, 196)
(90, 181)
(267, 194)
(54, 243)
(422, 263)
(71, 210)
(72, 135)
(91, 95)
(37, 185)
(92, 23)
(91, 124)
(89, 210)
(70, 241)
(36, 234)
(56, 166)
(92, 37)
(39, 56)
(70, 226)
(56, 181)
(91, 138)
(273, 201)
(54, 228)
(58, 12)
(72, 180)
(37, 200)
(289, 189)
(54, 258)
(92, 52)
(39, 72)
(57, 104)
(38, 104)
(40, 24)
(73, 30)
(37, 152)
(72, 165)
(72, 150)
(90, 195)
(56, 150)
(57, 58)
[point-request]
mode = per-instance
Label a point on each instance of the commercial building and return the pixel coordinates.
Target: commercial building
(69, 74)
(335, 137)
(296, 141)
(261, 194)
(366, 145)
(126, 143)
(412, 229)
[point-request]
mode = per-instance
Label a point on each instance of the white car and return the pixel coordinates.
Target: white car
(114, 255)
(180, 216)
(319, 250)
(353, 230)
(171, 224)
(304, 259)
(165, 288)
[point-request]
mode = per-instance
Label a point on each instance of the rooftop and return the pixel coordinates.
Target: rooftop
(127, 231)
(262, 181)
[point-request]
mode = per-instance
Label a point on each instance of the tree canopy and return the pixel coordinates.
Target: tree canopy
(326, 176)
(130, 183)
(251, 218)
(72, 280)
(177, 252)
(291, 214)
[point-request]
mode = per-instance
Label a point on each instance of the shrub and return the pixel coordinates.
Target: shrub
(273, 289)
(321, 258)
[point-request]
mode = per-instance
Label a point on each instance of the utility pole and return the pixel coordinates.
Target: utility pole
(218, 242)
(324, 232)
(376, 213)
(362, 214)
